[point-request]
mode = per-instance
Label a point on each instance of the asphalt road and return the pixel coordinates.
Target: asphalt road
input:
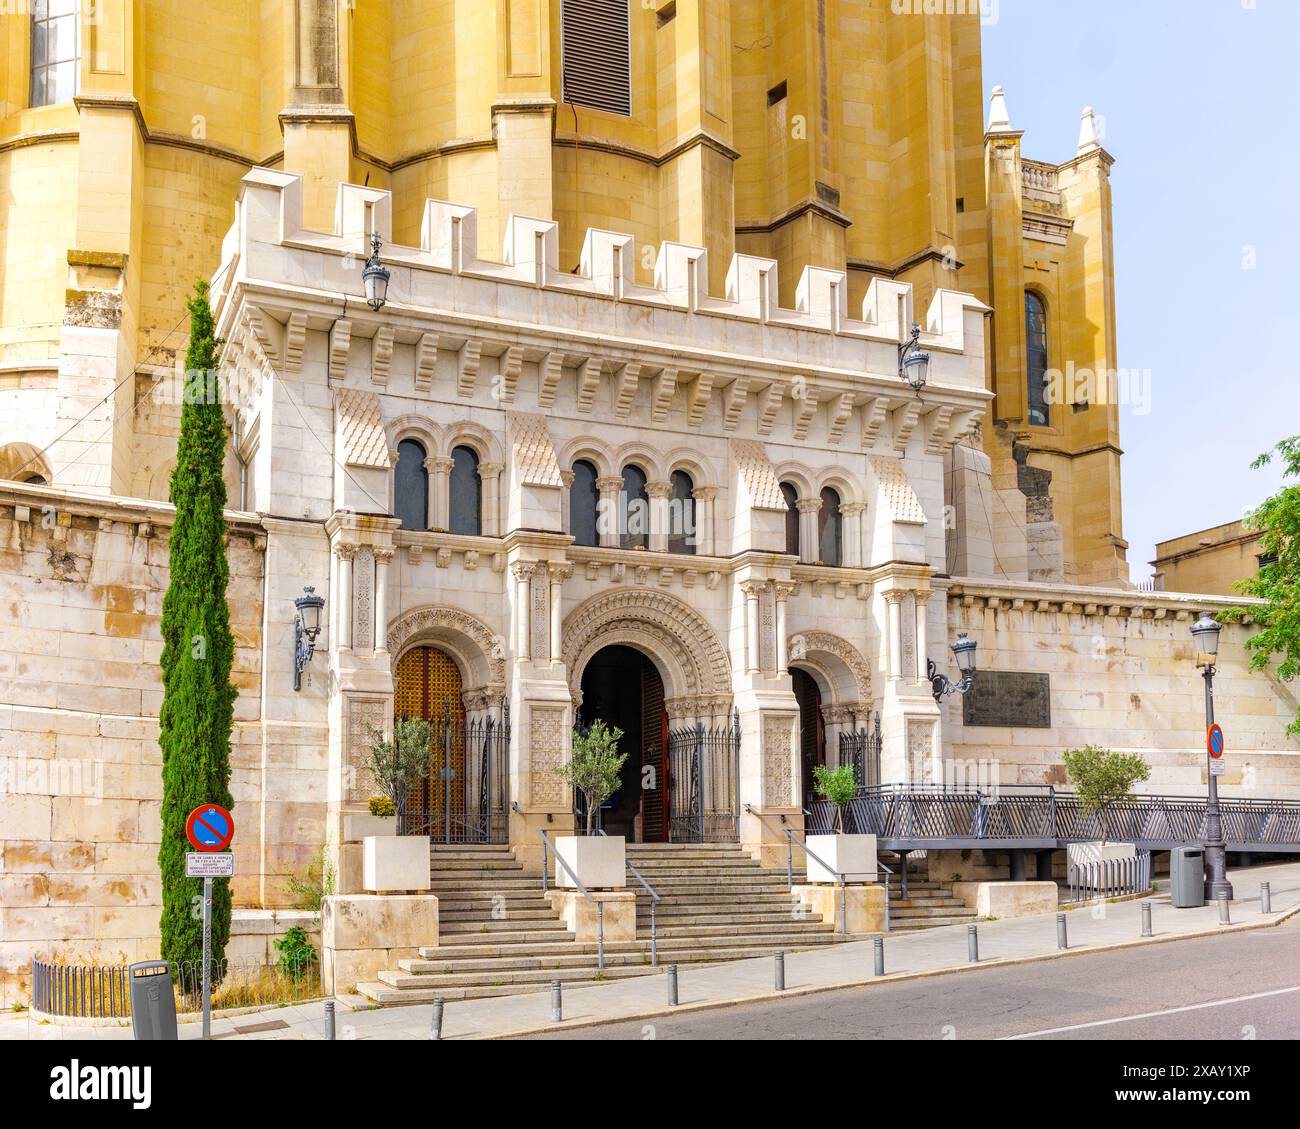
(1238, 986)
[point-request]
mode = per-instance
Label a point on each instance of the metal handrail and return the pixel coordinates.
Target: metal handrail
(654, 936)
(548, 849)
(789, 865)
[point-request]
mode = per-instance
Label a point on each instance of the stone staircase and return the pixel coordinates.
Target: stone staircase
(499, 936)
(928, 905)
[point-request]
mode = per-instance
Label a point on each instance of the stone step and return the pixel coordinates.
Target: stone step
(502, 865)
(904, 912)
(737, 918)
(912, 925)
(774, 929)
(480, 925)
(395, 978)
(929, 901)
(542, 912)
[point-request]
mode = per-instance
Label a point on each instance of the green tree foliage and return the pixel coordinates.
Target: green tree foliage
(837, 785)
(595, 767)
(198, 650)
(399, 764)
(1103, 778)
(1278, 584)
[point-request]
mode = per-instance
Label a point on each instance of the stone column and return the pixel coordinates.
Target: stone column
(558, 574)
(705, 503)
(345, 554)
(753, 589)
(523, 571)
(490, 474)
(852, 514)
(810, 548)
(392, 481)
(382, 559)
(922, 652)
(439, 473)
(607, 510)
(783, 594)
(659, 493)
(566, 477)
(894, 600)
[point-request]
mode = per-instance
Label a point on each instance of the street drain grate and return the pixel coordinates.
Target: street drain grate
(272, 1025)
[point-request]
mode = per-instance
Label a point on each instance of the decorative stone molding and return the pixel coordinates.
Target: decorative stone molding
(547, 743)
(808, 645)
(665, 387)
(432, 621)
(840, 416)
(381, 355)
(340, 347)
(426, 360)
(778, 770)
(512, 366)
(654, 621)
(362, 715)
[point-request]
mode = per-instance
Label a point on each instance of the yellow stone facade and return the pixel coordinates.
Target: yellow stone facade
(849, 134)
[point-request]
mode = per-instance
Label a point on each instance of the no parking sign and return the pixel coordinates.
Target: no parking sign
(210, 828)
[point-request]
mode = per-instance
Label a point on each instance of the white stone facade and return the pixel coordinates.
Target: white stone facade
(534, 371)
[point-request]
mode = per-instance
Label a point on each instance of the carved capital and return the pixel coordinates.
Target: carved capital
(659, 489)
(610, 485)
(809, 505)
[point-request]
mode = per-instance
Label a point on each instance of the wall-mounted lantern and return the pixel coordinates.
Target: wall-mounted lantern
(305, 630)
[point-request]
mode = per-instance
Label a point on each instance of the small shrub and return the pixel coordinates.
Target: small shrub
(837, 785)
(297, 953)
(313, 883)
(382, 806)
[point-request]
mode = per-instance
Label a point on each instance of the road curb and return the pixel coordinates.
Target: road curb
(900, 978)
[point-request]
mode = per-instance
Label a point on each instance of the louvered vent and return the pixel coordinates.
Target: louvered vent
(596, 52)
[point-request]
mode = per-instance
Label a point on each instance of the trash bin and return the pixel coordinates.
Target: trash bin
(1187, 877)
(153, 1003)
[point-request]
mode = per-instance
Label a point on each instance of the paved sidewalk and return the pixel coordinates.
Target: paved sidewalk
(929, 952)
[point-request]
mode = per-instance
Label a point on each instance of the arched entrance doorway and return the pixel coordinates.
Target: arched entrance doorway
(623, 688)
(462, 800)
(812, 728)
(428, 685)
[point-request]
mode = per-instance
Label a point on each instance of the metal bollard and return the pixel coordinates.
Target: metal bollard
(879, 946)
(1146, 919)
(780, 972)
(329, 1020)
(557, 1005)
(1062, 934)
(1265, 898)
(672, 985)
(435, 1027)
(973, 944)
(1225, 918)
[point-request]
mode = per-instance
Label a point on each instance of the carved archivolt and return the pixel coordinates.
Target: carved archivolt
(480, 648)
(677, 638)
(810, 646)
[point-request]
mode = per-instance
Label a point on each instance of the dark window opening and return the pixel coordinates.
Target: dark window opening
(777, 93)
(634, 510)
(584, 505)
(829, 524)
(466, 493)
(1036, 352)
(681, 514)
(411, 486)
(791, 496)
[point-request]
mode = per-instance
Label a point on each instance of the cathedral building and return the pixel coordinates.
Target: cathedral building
(639, 429)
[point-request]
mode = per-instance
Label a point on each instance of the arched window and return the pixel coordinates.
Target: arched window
(584, 502)
(829, 524)
(466, 493)
(411, 485)
(791, 496)
(681, 514)
(1036, 351)
(634, 510)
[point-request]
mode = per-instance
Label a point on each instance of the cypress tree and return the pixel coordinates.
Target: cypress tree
(198, 649)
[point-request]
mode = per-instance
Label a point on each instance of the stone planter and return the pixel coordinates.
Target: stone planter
(395, 863)
(1082, 854)
(853, 855)
(599, 861)
(359, 825)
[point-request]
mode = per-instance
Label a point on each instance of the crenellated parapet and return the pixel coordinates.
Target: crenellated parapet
(742, 348)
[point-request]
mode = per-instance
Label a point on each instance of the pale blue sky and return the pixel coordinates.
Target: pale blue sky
(1199, 100)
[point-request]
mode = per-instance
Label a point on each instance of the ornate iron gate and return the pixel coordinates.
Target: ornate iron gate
(463, 799)
(704, 783)
(862, 750)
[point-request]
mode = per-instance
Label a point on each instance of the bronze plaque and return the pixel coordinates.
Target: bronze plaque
(1012, 699)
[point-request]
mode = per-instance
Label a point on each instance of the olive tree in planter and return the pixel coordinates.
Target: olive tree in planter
(391, 861)
(595, 769)
(854, 856)
(1103, 778)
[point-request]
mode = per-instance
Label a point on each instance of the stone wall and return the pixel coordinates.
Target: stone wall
(1122, 676)
(81, 589)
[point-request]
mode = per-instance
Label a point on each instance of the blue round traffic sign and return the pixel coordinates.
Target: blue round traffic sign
(1214, 741)
(210, 828)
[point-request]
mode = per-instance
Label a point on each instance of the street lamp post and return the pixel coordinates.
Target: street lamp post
(964, 651)
(1205, 636)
